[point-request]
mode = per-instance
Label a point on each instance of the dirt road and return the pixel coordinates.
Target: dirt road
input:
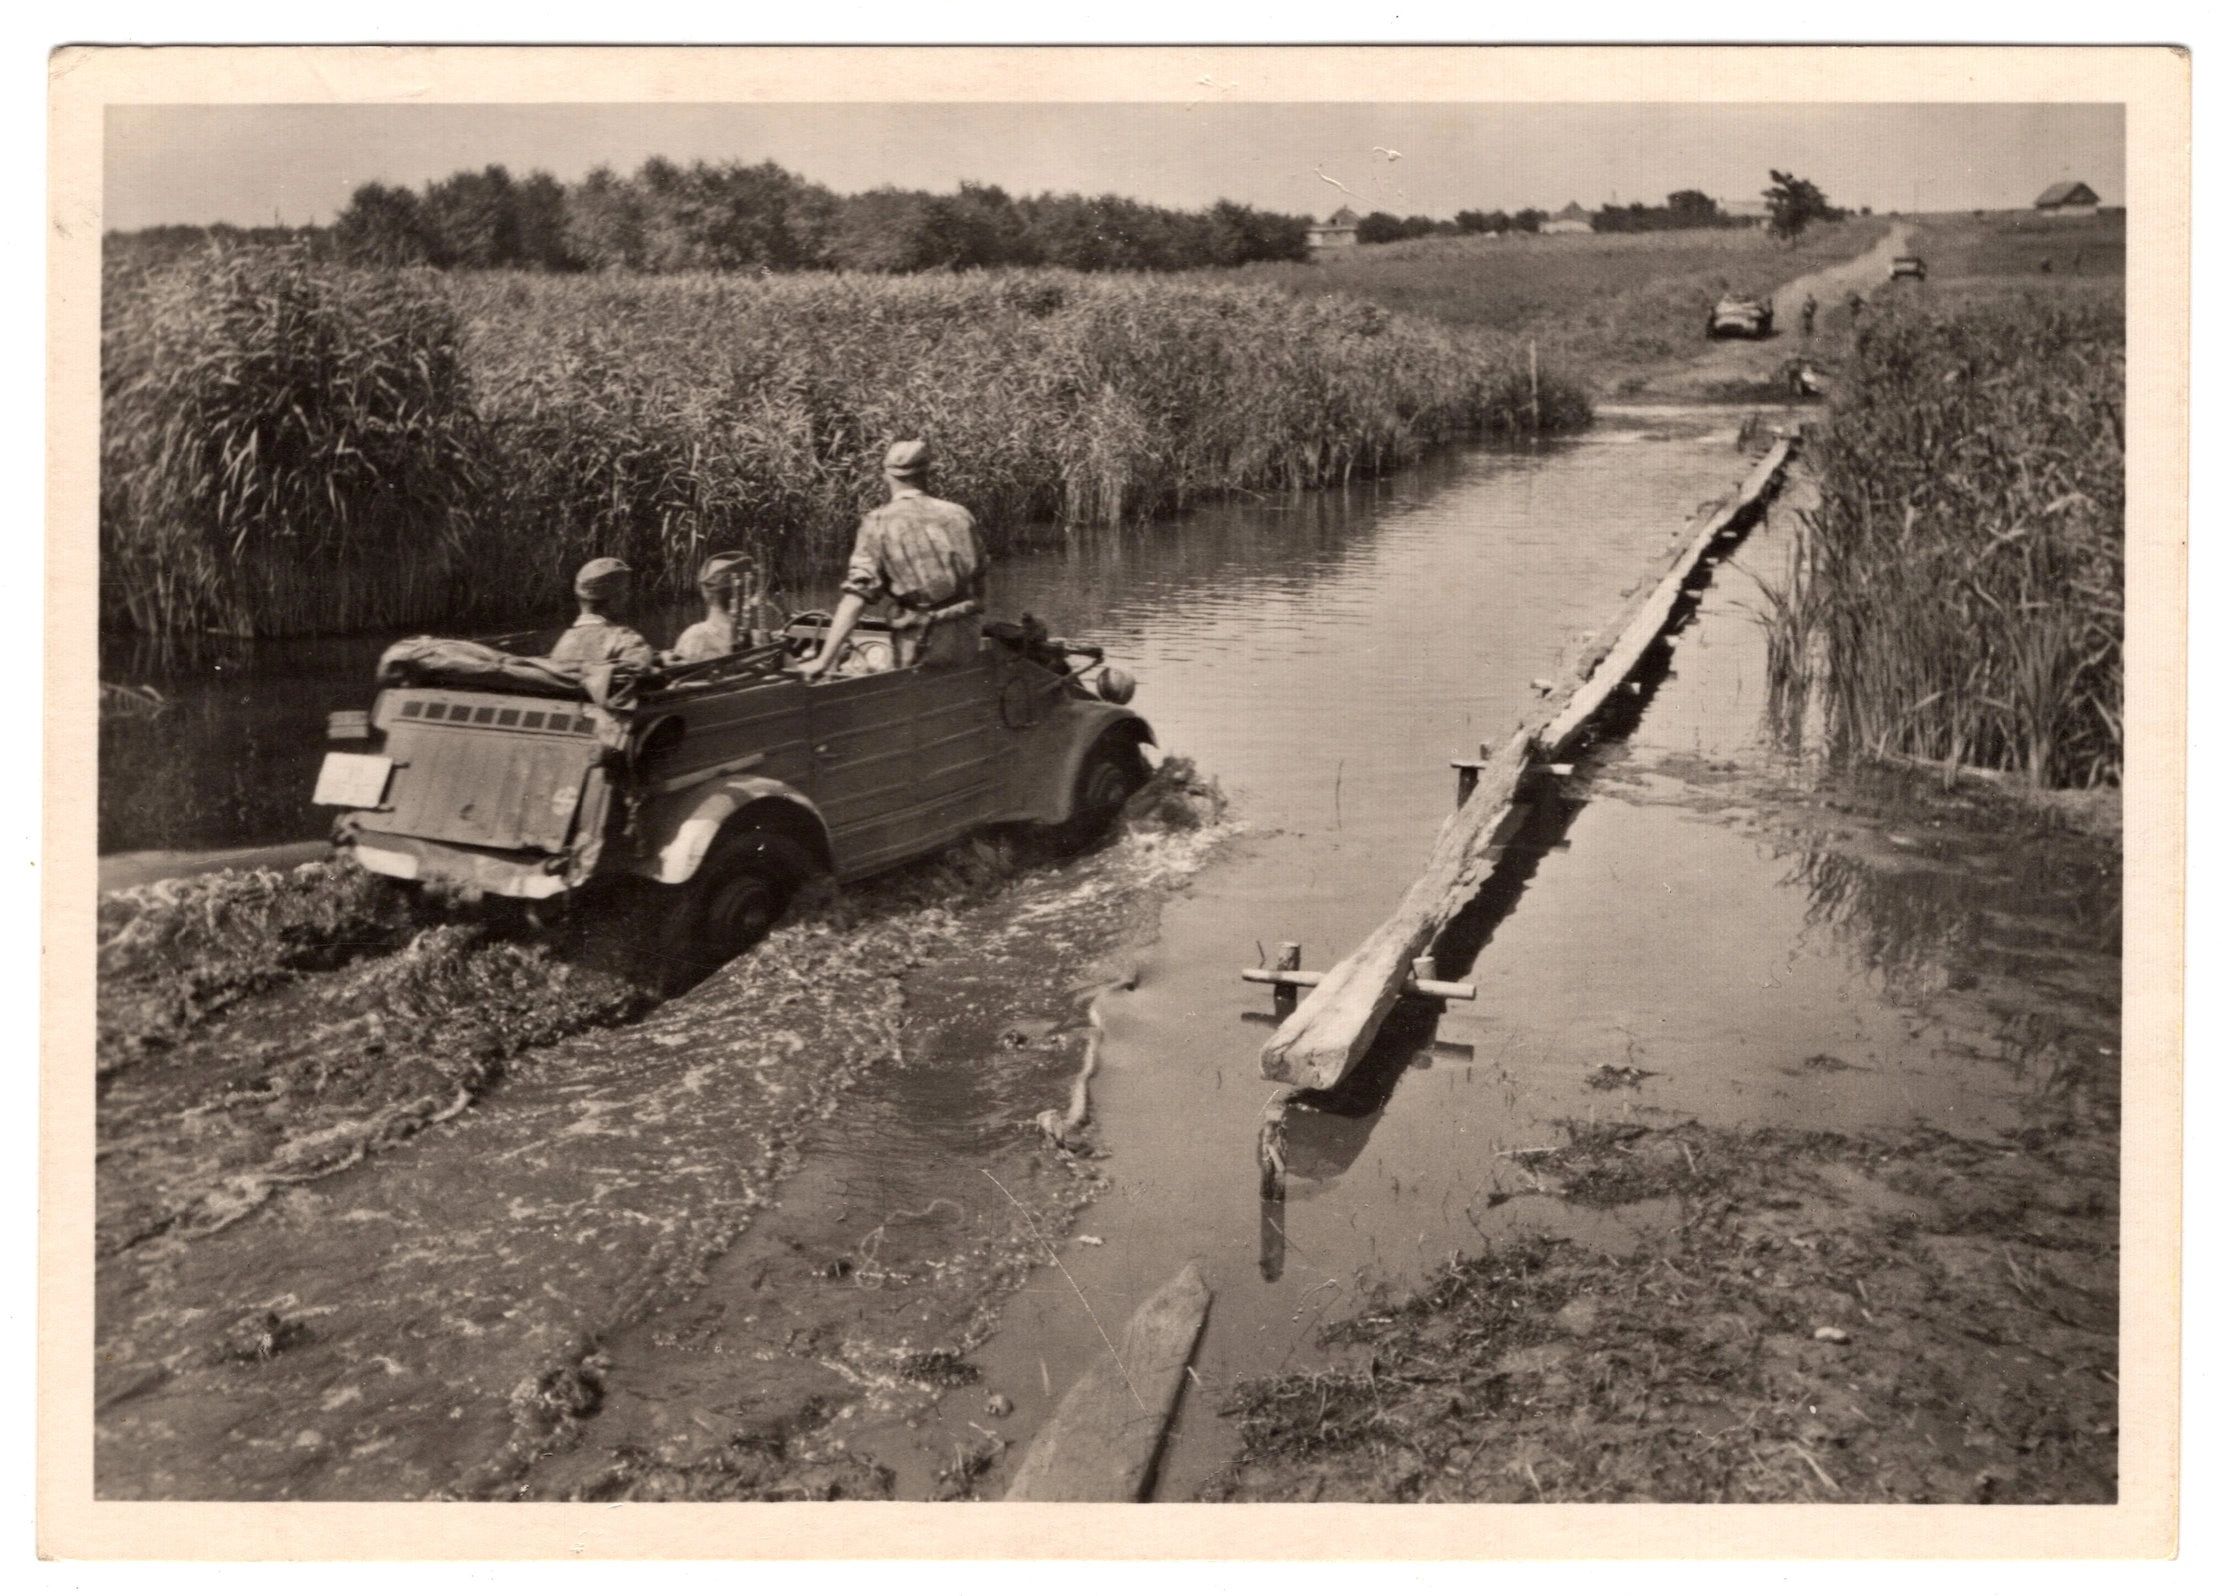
(1750, 369)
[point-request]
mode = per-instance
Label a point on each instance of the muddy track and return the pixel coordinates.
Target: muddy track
(388, 1230)
(1749, 370)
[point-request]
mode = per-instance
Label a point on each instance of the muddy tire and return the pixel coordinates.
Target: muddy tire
(1113, 772)
(742, 887)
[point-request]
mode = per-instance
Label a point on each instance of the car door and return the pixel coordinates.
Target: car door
(962, 752)
(862, 746)
(906, 761)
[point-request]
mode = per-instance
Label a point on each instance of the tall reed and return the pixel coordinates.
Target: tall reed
(553, 418)
(280, 440)
(1956, 592)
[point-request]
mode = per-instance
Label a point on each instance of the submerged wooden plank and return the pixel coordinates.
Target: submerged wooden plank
(1337, 1021)
(1102, 1442)
(1634, 637)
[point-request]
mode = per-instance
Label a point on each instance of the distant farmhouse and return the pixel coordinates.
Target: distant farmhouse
(2068, 199)
(1573, 219)
(1339, 231)
(1745, 213)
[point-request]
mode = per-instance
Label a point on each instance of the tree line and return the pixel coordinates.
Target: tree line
(1792, 204)
(1684, 208)
(668, 217)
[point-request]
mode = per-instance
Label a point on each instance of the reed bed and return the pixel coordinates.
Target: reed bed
(279, 439)
(1956, 594)
(292, 446)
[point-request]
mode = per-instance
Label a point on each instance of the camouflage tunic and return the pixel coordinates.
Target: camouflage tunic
(706, 639)
(921, 555)
(592, 641)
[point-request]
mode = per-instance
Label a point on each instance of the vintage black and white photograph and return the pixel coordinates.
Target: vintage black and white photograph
(1184, 798)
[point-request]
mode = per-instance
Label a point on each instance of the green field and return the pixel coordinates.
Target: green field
(1973, 255)
(1594, 304)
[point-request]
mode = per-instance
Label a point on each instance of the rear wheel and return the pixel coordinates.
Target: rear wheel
(1113, 772)
(743, 885)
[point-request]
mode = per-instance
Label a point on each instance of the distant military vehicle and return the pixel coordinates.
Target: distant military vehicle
(725, 783)
(1740, 316)
(1909, 266)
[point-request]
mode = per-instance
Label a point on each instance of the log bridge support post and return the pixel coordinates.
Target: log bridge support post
(1330, 1030)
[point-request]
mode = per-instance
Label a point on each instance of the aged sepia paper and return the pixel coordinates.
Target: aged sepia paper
(88, 86)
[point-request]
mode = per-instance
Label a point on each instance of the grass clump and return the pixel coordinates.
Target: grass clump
(293, 446)
(1956, 594)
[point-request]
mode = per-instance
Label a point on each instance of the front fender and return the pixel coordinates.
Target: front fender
(1048, 798)
(675, 832)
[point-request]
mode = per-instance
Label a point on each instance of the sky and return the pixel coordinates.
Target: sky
(253, 164)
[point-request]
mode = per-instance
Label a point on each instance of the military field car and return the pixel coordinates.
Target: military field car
(1740, 316)
(1910, 266)
(723, 784)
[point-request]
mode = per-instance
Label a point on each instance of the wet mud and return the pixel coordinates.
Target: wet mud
(420, 1225)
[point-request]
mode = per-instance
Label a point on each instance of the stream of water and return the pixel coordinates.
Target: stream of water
(1323, 658)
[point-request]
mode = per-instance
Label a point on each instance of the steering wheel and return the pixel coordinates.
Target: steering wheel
(798, 647)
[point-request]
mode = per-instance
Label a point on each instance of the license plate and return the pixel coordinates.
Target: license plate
(353, 781)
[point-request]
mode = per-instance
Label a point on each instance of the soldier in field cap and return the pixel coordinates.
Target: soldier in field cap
(729, 599)
(922, 557)
(599, 637)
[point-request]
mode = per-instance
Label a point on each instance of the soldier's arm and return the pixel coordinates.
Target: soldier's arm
(863, 584)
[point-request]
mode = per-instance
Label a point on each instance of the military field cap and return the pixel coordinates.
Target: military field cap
(724, 566)
(600, 576)
(908, 458)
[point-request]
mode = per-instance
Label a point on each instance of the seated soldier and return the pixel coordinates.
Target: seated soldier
(729, 599)
(599, 636)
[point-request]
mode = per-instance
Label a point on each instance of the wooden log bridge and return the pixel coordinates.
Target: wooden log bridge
(1330, 1030)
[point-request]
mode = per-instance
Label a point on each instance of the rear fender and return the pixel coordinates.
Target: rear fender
(676, 832)
(1048, 799)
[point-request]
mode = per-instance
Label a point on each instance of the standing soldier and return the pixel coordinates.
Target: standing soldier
(599, 636)
(1811, 308)
(920, 554)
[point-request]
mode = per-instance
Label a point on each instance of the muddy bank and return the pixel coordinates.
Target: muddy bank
(413, 1226)
(1817, 1318)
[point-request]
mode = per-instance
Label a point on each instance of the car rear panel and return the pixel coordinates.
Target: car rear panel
(485, 770)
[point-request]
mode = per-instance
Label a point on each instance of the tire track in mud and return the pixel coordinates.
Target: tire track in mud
(438, 1319)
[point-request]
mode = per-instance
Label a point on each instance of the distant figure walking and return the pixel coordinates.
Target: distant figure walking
(599, 636)
(922, 555)
(1810, 309)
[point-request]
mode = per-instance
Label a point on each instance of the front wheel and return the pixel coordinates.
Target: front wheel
(742, 887)
(1113, 772)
